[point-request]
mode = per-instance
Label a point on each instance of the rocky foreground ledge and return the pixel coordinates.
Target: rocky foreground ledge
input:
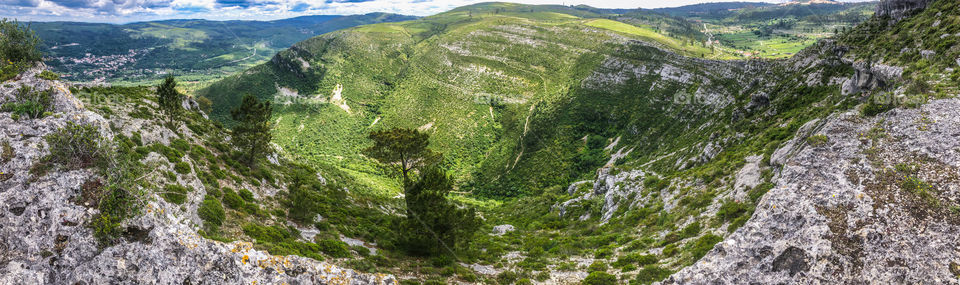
(44, 238)
(877, 201)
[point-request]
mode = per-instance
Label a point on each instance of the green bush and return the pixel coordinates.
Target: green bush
(600, 278)
(702, 245)
(18, 48)
(180, 144)
(175, 193)
(507, 277)
(232, 200)
(246, 195)
(597, 266)
(634, 259)
(731, 210)
(211, 211)
(334, 248)
(6, 151)
(282, 241)
(77, 146)
(872, 108)
(817, 140)
(691, 230)
(651, 273)
(362, 251)
(118, 197)
(172, 155)
(182, 167)
(214, 192)
(29, 104)
(48, 75)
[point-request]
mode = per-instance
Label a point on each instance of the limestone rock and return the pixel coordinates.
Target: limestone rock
(840, 214)
(502, 229)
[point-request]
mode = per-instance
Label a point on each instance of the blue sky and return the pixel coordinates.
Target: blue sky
(120, 11)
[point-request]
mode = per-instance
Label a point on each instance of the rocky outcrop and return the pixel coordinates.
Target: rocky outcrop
(44, 238)
(870, 77)
(878, 201)
(899, 9)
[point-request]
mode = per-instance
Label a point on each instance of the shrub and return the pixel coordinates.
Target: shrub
(362, 251)
(29, 104)
(232, 200)
(873, 108)
(691, 230)
(597, 266)
(175, 193)
(670, 250)
(48, 75)
(118, 198)
(263, 234)
(106, 228)
(214, 192)
(600, 278)
(172, 155)
(634, 258)
(702, 245)
(334, 248)
(507, 277)
(180, 144)
(817, 140)
(211, 211)
(18, 44)
(253, 209)
(603, 253)
(172, 177)
(731, 210)
(77, 146)
(6, 151)
(650, 274)
(182, 167)
(246, 195)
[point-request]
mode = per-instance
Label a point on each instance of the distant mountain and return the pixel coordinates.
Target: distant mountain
(710, 9)
(810, 2)
(148, 50)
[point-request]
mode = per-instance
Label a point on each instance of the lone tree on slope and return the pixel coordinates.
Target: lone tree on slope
(434, 224)
(405, 149)
(252, 132)
(168, 98)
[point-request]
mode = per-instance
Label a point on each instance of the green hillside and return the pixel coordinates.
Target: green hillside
(199, 50)
(473, 77)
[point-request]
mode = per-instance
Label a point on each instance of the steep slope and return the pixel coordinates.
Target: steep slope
(475, 77)
(98, 189)
(859, 197)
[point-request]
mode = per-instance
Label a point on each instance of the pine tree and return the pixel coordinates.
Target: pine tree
(406, 149)
(434, 224)
(168, 98)
(252, 132)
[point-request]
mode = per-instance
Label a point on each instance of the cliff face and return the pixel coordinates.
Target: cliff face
(45, 236)
(898, 9)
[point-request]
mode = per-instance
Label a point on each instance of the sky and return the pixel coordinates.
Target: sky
(123, 11)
